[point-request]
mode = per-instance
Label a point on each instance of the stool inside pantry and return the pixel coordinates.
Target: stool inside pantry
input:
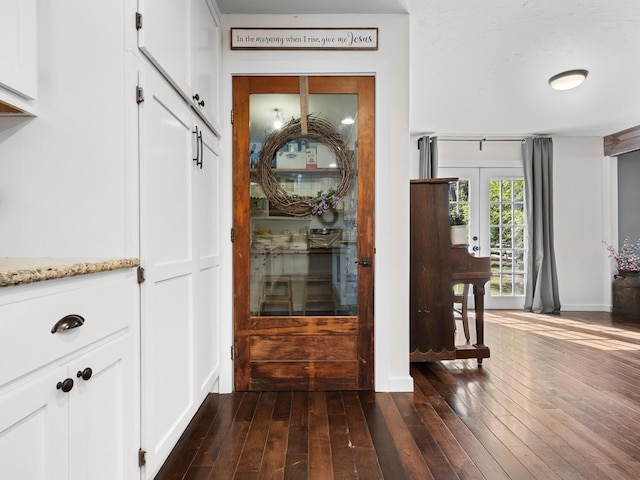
(276, 290)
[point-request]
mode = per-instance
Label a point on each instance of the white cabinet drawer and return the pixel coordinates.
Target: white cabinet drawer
(107, 305)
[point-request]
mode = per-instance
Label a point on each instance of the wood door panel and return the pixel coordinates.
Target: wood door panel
(304, 376)
(304, 347)
(303, 325)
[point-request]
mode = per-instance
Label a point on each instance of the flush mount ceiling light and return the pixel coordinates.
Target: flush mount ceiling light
(568, 80)
(348, 121)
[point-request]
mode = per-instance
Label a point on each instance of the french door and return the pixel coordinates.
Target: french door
(493, 200)
(303, 232)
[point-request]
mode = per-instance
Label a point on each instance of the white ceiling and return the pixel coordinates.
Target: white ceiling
(481, 67)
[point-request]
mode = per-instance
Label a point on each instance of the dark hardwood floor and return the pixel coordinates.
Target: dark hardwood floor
(558, 399)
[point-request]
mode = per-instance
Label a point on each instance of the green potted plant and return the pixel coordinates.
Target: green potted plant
(458, 228)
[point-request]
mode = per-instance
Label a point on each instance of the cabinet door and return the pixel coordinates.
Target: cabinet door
(167, 147)
(166, 39)
(34, 430)
(17, 51)
(206, 226)
(206, 38)
(101, 427)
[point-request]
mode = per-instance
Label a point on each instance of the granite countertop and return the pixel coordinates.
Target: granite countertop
(18, 271)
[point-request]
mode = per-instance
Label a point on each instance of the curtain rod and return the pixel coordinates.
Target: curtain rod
(480, 140)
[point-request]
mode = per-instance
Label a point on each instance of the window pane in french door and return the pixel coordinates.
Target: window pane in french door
(303, 266)
(507, 232)
(459, 202)
(463, 199)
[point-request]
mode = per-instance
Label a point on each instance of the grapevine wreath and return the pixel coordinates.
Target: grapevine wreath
(318, 130)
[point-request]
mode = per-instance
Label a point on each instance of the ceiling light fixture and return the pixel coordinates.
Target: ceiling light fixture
(348, 121)
(568, 80)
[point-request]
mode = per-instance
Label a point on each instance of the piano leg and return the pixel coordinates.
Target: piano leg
(478, 295)
(478, 350)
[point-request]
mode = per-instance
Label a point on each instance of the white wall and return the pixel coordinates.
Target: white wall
(582, 190)
(390, 65)
(64, 185)
(582, 198)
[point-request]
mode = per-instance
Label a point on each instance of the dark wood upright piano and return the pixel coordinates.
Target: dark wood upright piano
(436, 266)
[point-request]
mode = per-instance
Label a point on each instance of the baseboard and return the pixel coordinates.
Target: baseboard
(579, 307)
(397, 384)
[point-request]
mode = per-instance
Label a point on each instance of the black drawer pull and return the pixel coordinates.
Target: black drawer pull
(68, 322)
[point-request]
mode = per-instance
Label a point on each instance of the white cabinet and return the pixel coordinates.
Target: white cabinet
(207, 62)
(18, 56)
(182, 39)
(27, 324)
(164, 36)
(179, 235)
(206, 243)
(167, 148)
(46, 433)
(101, 424)
(178, 231)
(71, 417)
(34, 430)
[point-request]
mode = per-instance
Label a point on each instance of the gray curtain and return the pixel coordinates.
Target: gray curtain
(541, 289)
(428, 147)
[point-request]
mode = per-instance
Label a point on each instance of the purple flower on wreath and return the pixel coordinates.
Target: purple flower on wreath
(325, 201)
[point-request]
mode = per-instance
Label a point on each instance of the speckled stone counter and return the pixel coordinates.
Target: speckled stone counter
(18, 271)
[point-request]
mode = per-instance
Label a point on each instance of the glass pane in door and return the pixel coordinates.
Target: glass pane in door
(302, 265)
(459, 203)
(507, 232)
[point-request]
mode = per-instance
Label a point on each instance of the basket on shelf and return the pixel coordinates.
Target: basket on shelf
(324, 238)
(271, 241)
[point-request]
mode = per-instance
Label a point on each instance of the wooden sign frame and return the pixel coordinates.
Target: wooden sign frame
(304, 38)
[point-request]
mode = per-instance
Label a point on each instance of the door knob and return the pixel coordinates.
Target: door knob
(85, 374)
(365, 262)
(196, 97)
(66, 385)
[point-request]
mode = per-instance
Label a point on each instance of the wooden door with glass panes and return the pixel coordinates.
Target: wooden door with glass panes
(303, 232)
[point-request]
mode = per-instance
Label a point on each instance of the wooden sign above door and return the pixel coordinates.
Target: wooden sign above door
(304, 38)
